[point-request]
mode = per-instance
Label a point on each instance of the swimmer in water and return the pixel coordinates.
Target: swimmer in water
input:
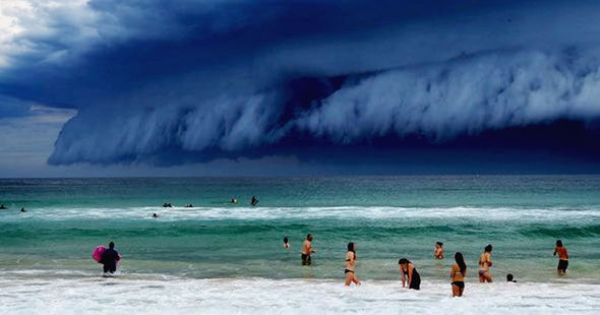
(457, 274)
(563, 257)
(485, 262)
(307, 250)
(438, 252)
(189, 205)
(253, 201)
(23, 210)
(234, 201)
(167, 205)
(408, 270)
(350, 271)
(286, 243)
(154, 215)
(510, 278)
(3, 207)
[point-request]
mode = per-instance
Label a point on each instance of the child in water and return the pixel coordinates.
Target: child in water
(563, 257)
(438, 252)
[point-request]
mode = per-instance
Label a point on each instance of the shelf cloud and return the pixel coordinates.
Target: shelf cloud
(170, 83)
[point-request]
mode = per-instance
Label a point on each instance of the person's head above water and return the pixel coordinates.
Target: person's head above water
(488, 248)
(559, 243)
(111, 245)
(460, 261)
(440, 244)
(403, 261)
(309, 237)
(509, 277)
(285, 239)
(351, 246)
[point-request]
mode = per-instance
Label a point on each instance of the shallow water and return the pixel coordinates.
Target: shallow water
(34, 295)
(227, 246)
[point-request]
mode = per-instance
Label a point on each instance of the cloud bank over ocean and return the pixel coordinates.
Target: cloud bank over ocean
(165, 83)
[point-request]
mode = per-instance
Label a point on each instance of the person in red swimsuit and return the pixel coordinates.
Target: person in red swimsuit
(563, 257)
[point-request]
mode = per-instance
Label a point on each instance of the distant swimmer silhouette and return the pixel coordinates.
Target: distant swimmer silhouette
(510, 278)
(189, 205)
(3, 207)
(23, 210)
(233, 200)
(167, 205)
(154, 215)
(253, 201)
(286, 243)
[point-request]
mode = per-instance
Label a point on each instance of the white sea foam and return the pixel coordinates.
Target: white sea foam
(580, 215)
(131, 295)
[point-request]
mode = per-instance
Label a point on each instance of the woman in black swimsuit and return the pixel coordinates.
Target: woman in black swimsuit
(458, 273)
(407, 269)
(350, 270)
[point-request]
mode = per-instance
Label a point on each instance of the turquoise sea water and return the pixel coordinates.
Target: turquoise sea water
(387, 217)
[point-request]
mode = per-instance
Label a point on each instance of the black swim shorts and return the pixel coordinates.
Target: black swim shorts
(563, 265)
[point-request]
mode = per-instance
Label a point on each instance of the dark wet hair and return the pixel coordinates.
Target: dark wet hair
(488, 248)
(559, 243)
(403, 261)
(440, 243)
(509, 277)
(308, 236)
(460, 261)
(111, 245)
(351, 247)
(285, 239)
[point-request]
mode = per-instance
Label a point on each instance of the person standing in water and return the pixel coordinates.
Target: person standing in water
(350, 271)
(110, 257)
(408, 270)
(563, 257)
(307, 250)
(286, 243)
(253, 201)
(485, 262)
(438, 252)
(458, 273)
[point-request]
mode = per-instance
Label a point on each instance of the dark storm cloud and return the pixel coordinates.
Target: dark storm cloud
(173, 82)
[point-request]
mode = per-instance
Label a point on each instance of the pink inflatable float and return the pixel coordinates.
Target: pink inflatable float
(97, 253)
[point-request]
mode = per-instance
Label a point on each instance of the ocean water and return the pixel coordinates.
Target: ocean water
(220, 257)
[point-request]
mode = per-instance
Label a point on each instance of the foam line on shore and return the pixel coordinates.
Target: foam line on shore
(265, 296)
